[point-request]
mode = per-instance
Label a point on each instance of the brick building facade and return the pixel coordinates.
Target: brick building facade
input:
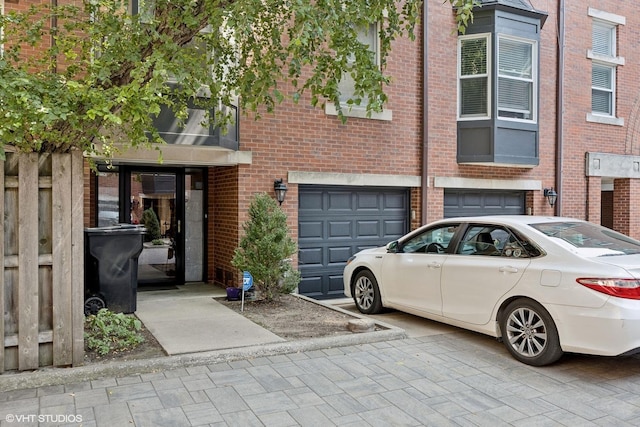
(369, 180)
(415, 147)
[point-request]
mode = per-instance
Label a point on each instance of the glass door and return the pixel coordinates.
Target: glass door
(171, 204)
(156, 200)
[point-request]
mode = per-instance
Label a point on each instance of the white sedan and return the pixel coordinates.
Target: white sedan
(543, 285)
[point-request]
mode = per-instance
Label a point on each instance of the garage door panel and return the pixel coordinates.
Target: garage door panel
(310, 286)
(310, 230)
(311, 201)
(514, 201)
(339, 229)
(367, 202)
(394, 228)
(336, 288)
(339, 255)
(336, 222)
(465, 202)
(367, 228)
(310, 256)
(472, 200)
(339, 201)
(493, 201)
(394, 202)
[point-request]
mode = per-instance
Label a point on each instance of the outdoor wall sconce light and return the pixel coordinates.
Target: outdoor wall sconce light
(281, 190)
(551, 195)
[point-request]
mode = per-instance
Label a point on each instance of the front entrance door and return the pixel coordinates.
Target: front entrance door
(155, 202)
(170, 203)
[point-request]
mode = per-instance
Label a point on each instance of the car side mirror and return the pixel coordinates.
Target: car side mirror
(392, 247)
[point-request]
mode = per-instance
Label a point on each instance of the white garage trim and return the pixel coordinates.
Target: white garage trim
(487, 184)
(353, 179)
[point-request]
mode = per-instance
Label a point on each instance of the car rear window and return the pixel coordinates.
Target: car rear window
(584, 235)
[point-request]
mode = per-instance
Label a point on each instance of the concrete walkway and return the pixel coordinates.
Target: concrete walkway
(189, 320)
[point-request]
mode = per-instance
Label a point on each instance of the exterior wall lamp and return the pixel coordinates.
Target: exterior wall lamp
(551, 195)
(281, 190)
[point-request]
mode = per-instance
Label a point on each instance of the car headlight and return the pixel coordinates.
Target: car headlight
(351, 258)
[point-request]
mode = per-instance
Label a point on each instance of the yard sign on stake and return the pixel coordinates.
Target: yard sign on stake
(247, 283)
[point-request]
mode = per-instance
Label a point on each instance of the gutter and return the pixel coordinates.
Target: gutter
(560, 106)
(425, 114)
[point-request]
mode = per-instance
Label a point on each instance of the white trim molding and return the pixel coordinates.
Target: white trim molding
(187, 155)
(487, 184)
(606, 120)
(606, 16)
(353, 179)
(358, 112)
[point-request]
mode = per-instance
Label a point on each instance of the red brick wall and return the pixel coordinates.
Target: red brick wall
(301, 138)
(580, 195)
(442, 110)
(222, 213)
(626, 198)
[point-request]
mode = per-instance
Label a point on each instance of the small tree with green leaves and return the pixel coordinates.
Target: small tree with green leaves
(151, 223)
(265, 248)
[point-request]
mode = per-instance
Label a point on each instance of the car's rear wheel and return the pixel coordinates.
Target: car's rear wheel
(366, 293)
(529, 333)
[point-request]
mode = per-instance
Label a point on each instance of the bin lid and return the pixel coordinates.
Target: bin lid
(118, 229)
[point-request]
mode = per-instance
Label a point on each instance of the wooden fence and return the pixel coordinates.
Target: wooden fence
(42, 288)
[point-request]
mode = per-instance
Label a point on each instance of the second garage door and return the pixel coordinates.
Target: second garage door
(467, 202)
(336, 222)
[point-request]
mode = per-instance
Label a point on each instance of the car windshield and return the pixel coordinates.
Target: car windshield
(587, 237)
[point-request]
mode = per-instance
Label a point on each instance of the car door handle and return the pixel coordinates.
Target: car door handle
(434, 265)
(508, 269)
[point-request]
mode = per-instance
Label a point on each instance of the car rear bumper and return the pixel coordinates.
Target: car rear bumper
(611, 330)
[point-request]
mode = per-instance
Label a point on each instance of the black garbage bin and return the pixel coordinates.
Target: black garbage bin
(111, 267)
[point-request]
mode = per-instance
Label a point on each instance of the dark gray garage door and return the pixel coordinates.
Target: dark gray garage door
(336, 222)
(466, 202)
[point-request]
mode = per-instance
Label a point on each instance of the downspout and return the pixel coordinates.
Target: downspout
(560, 107)
(425, 115)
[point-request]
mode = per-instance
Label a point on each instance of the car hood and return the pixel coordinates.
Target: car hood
(380, 250)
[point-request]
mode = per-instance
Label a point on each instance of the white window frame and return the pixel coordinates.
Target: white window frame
(360, 111)
(611, 90)
(486, 75)
(533, 80)
(607, 21)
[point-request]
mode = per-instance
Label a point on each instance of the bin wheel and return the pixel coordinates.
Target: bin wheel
(93, 304)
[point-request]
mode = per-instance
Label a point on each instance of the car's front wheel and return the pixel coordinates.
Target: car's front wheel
(366, 293)
(529, 333)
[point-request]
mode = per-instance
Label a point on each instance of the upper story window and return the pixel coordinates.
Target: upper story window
(368, 36)
(603, 73)
(604, 63)
(473, 76)
(517, 78)
(499, 85)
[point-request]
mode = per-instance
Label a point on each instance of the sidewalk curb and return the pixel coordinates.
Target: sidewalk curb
(56, 376)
